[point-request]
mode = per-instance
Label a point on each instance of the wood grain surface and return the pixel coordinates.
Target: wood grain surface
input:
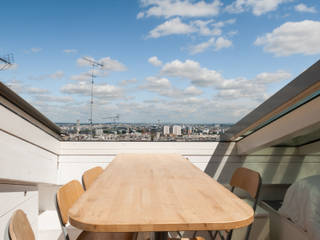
(157, 192)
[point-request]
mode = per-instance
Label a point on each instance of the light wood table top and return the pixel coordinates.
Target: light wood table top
(157, 192)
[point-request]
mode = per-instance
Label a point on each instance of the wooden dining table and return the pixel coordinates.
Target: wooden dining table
(157, 193)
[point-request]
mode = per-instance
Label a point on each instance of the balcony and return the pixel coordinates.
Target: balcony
(279, 139)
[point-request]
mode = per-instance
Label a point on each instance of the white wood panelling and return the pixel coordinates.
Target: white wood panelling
(76, 157)
(14, 124)
(23, 161)
(113, 148)
(16, 199)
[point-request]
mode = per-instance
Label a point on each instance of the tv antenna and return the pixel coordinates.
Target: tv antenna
(93, 64)
(7, 61)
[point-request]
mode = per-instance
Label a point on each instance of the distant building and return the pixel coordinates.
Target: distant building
(99, 131)
(166, 130)
(78, 127)
(176, 130)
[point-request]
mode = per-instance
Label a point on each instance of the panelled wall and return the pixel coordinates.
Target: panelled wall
(28, 157)
(76, 157)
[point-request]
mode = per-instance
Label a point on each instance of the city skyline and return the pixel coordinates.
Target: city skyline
(172, 60)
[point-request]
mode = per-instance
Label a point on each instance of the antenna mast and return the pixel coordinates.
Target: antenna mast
(7, 61)
(93, 64)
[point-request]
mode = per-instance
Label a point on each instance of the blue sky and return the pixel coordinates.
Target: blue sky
(170, 60)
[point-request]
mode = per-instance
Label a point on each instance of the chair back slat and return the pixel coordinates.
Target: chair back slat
(247, 180)
(67, 195)
(19, 227)
(89, 176)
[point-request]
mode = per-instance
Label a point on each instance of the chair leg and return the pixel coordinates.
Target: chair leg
(194, 234)
(230, 235)
(248, 232)
(213, 236)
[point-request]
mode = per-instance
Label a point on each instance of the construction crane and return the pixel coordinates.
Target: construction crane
(7, 61)
(113, 118)
(94, 64)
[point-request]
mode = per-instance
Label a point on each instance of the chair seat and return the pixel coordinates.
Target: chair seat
(105, 236)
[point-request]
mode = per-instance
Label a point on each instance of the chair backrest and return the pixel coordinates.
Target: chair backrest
(89, 176)
(19, 227)
(67, 195)
(247, 180)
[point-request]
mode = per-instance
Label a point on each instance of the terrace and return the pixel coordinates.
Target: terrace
(279, 139)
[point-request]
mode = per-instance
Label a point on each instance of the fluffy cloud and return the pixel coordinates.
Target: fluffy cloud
(258, 7)
(176, 27)
(278, 76)
(163, 87)
(22, 88)
(155, 83)
(217, 44)
(254, 89)
(222, 43)
(292, 38)
(170, 27)
(201, 47)
(192, 70)
(155, 61)
(108, 63)
(183, 8)
(70, 50)
(304, 8)
(83, 88)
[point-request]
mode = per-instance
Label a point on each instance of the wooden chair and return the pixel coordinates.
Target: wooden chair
(89, 176)
(249, 181)
(19, 227)
(66, 196)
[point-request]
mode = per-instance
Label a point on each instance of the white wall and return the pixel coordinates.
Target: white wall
(13, 197)
(28, 155)
(27, 152)
(76, 157)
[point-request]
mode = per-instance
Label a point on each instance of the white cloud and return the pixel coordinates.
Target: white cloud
(105, 91)
(201, 47)
(108, 63)
(201, 27)
(156, 83)
(222, 43)
(70, 50)
(192, 70)
(57, 75)
(172, 26)
(304, 8)
(217, 44)
(81, 77)
(50, 98)
(22, 88)
(258, 7)
(292, 38)
(155, 61)
(192, 90)
(183, 8)
(278, 76)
